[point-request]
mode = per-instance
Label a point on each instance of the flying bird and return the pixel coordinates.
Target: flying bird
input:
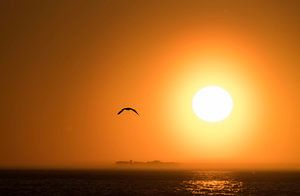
(128, 110)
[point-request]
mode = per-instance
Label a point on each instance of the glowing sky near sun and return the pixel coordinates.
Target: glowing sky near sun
(68, 67)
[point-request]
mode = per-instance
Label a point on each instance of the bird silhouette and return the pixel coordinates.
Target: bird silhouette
(128, 110)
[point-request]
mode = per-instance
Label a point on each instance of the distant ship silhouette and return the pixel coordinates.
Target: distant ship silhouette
(145, 164)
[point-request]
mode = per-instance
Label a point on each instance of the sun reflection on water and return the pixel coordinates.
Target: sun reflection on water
(213, 185)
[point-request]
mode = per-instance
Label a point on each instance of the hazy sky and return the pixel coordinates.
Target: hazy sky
(67, 67)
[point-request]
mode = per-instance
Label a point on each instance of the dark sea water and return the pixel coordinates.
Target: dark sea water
(138, 182)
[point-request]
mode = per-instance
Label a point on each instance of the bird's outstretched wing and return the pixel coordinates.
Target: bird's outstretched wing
(121, 111)
(134, 111)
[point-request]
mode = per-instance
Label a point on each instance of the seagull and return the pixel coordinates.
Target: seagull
(128, 110)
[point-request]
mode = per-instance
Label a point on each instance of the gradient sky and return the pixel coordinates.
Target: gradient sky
(67, 67)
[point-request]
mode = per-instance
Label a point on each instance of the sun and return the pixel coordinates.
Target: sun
(212, 104)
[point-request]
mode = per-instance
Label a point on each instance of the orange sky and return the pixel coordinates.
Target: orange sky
(68, 67)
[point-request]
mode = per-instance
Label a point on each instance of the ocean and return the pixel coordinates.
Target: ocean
(148, 182)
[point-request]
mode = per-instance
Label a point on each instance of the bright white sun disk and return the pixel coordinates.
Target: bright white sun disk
(212, 104)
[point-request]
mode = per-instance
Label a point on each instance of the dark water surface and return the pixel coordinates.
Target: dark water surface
(137, 182)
